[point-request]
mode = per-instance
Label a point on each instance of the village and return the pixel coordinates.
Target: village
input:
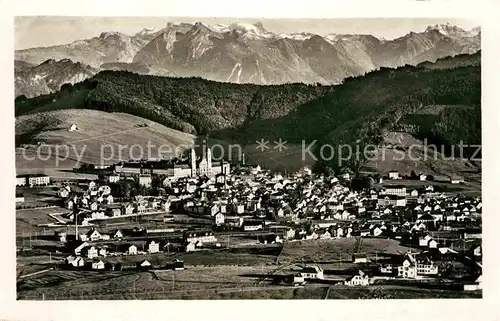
(154, 215)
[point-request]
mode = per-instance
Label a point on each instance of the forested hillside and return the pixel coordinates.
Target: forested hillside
(363, 108)
(193, 105)
(406, 99)
(454, 62)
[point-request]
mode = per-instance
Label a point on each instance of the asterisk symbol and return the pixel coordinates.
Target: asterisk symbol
(280, 144)
(262, 144)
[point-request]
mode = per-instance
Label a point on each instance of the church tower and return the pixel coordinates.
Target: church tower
(193, 163)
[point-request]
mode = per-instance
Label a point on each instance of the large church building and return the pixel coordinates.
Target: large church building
(197, 166)
(205, 167)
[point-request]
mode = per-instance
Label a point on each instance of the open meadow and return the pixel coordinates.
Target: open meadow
(224, 282)
(333, 250)
(101, 137)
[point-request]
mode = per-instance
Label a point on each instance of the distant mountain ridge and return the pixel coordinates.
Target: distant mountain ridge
(48, 76)
(248, 53)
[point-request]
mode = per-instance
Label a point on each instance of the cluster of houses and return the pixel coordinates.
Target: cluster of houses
(281, 208)
(95, 246)
(97, 202)
(297, 207)
(256, 200)
(100, 263)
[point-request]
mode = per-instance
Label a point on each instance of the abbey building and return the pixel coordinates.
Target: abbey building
(176, 168)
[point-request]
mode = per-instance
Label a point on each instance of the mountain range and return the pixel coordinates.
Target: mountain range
(237, 53)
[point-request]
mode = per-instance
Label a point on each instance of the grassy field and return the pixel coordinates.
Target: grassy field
(224, 274)
(39, 196)
(203, 283)
(332, 250)
(28, 219)
(237, 256)
(73, 283)
(97, 140)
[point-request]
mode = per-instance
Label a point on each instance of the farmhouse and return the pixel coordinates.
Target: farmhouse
(312, 272)
(219, 219)
(153, 247)
(386, 268)
(90, 252)
(117, 234)
(189, 247)
(75, 261)
(359, 279)
(144, 265)
(127, 209)
(79, 246)
(114, 212)
(132, 250)
(93, 235)
(98, 265)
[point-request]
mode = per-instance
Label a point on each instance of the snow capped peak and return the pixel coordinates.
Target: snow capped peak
(147, 31)
(333, 37)
(446, 29)
(246, 27)
(220, 28)
(248, 30)
(182, 27)
(301, 36)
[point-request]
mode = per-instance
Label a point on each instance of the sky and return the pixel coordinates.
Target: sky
(39, 31)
